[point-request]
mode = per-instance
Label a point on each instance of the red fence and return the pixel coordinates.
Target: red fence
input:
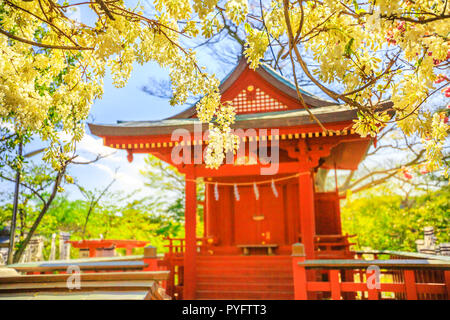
(174, 262)
(332, 246)
(410, 279)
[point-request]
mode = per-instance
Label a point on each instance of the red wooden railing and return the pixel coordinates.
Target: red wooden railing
(333, 246)
(326, 246)
(176, 246)
(422, 275)
(174, 262)
(411, 279)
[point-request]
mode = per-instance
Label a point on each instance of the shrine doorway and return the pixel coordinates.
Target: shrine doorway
(259, 220)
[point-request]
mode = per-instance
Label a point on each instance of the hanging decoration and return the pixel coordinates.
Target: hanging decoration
(249, 183)
(236, 193)
(255, 189)
(274, 189)
(216, 192)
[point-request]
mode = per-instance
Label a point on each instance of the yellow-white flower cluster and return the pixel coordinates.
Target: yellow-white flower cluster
(47, 91)
(370, 52)
(352, 44)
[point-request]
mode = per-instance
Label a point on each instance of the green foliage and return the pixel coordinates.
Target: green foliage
(386, 221)
(141, 219)
(168, 185)
(114, 216)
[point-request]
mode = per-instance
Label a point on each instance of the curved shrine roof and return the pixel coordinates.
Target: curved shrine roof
(328, 114)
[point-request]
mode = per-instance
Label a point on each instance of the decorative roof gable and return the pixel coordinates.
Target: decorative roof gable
(260, 90)
(255, 100)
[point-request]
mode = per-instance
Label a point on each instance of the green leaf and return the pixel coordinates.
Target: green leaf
(348, 47)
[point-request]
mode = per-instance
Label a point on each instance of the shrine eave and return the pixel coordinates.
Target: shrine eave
(280, 119)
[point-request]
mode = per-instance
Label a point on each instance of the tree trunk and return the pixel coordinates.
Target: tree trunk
(44, 210)
(12, 231)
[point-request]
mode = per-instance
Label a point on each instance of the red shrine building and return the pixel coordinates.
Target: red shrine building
(254, 209)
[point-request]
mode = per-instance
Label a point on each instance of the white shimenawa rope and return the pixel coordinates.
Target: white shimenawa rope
(274, 189)
(250, 183)
(216, 192)
(255, 189)
(236, 193)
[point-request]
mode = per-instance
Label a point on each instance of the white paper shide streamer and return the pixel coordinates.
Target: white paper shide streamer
(274, 189)
(255, 189)
(216, 192)
(236, 193)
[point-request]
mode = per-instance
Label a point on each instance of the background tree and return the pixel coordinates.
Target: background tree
(93, 198)
(384, 220)
(40, 185)
(168, 188)
(115, 217)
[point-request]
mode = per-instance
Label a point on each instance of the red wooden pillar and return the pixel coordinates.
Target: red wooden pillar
(307, 218)
(299, 272)
(190, 253)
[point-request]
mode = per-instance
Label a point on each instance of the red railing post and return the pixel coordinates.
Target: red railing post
(410, 285)
(372, 294)
(372, 291)
(335, 285)
(447, 282)
(299, 272)
(150, 258)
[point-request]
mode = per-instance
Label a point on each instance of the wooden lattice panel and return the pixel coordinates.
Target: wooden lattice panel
(256, 100)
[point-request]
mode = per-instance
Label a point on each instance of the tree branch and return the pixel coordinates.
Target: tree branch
(42, 45)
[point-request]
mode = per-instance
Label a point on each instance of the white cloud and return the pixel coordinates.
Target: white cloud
(104, 168)
(97, 175)
(92, 145)
(115, 166)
